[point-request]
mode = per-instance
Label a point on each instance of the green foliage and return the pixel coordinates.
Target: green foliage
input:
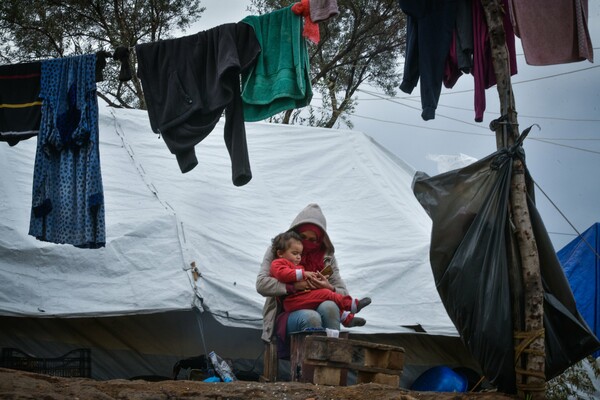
(39, 29)
(363, 44)
(575, 382)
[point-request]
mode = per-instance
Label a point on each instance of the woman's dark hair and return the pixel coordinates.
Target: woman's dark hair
(282, 241)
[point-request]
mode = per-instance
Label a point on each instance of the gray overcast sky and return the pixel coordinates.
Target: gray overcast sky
(564, 100)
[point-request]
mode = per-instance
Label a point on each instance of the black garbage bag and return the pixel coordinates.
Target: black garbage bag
(470, 256)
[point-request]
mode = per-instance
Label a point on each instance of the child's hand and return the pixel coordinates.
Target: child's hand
(311, 276)
(318, 281)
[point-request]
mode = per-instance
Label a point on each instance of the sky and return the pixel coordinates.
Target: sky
(563, 156)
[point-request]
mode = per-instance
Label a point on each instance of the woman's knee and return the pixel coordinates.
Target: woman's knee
(313, 320)
(330, 315)
(328, 309)
(304, 319)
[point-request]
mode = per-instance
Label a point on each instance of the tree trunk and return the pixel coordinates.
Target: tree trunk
(529, 334)
(287, 117)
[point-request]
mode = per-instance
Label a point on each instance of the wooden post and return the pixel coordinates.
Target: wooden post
(529, 342)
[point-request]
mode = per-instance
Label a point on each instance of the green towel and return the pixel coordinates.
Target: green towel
(279, 80)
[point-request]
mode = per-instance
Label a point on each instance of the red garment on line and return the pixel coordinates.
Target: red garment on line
(311, 28)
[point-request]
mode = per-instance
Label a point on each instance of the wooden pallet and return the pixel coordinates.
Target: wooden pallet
(326, 361)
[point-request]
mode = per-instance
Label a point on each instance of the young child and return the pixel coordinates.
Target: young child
(287, 252)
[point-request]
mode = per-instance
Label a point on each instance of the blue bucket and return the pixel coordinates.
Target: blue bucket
(440, 379)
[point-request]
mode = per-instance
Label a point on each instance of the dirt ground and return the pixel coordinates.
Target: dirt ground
(26, 385)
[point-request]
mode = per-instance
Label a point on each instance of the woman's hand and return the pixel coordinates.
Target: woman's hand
(302, 285)
(316, 280)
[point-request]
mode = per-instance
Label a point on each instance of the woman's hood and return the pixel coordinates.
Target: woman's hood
(312, 214)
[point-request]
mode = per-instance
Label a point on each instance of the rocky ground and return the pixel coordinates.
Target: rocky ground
(27, 385)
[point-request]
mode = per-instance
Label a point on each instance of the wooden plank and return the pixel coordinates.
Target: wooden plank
(354, 353)
(396, 359)
(328, 376)
(384, 379)
(271, 363)
(376, 358)
(354, 367)
(336, 350)
(326, 360)
(357, 343)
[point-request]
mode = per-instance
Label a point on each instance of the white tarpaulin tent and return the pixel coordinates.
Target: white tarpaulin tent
(136, 302)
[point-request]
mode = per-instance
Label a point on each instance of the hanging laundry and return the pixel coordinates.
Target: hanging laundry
(483, 65)
(322, 10)
(464, 35)
(471, 53)
(20, 105)
(121, 55)
(460, 57)
(279, 80)
(188, 82)
(68, 199)
(311, 28)
(315, 11)
(430, 24)
(552, 32)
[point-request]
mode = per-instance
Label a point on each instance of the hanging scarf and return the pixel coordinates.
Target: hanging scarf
(313, 252)
(311, 29)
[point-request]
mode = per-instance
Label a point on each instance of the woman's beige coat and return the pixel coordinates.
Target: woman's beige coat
(271, 288)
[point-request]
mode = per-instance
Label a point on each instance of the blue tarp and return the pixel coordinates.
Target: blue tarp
(581, 264)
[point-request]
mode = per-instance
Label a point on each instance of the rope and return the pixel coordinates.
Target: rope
(526, 339)
(531, 387)
(477, 384)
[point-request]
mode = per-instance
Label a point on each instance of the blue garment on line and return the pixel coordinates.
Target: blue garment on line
(68, 199)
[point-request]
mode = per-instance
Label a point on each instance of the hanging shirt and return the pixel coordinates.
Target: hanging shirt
(68, 199)
(322, 10)
(279, 80)
(188, 82)
(481, 64)
(20, 105)
(552, 32)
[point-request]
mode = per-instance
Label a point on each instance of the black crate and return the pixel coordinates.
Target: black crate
(74, 364)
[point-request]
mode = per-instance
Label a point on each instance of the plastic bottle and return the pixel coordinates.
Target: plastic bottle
(221, 367)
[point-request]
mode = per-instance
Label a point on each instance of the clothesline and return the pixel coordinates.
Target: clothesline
(249, 70)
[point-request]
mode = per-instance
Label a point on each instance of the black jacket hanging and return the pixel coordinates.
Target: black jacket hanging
(188, 82)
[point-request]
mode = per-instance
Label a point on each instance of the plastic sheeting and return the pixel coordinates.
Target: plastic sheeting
(581, 263)
(159, 221)
(470, 244)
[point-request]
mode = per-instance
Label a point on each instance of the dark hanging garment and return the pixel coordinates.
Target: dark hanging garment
(68, 198)
(430, 25)
(460, 57)
(20, 105)
(188, 82)
(469, 255)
